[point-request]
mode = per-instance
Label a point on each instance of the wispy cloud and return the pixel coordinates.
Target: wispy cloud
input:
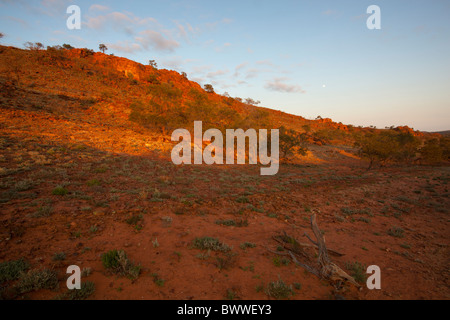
(124, 21)
(223, 47)
(253, 73)
(329, 12)
(186, 31)
(212, 25)
(265, 63)
(53, 7)
(156, 40)
(145, 32)
(98, 7)
(238, 69)
(280, 85)
(176, 62)
(125, 46)
(215, 74)
(19, 21)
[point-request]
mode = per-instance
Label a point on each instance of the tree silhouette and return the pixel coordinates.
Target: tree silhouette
(102, 47)
(291, 142)
(252, 102)
(67, 46)
(208, 88)
(34, 46)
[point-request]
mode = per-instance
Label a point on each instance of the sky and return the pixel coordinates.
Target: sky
(305, 57)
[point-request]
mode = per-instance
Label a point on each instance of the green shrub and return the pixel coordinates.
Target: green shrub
(279, 290)
(208, 243)
(357, 271)
(87, 289)
(226, 261)
(117, 262)
(396, 232)
(35, 280)
(11, 270)
(60, 256)
(60, 191)
(246, 245)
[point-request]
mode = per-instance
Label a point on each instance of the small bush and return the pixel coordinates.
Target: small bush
(93, 182)
(87, 289)
(278, 262)
(44, 211)
(60, 191)
(279, 290)
(396, 232)
(226, 222)
(242, 199)
(60, 256)
(134, 220)
(208, 243)
(11, 270)
(35, 280)
(157, 280)
(117, 262)
(226, 261)
(357, 271)
(246, 245)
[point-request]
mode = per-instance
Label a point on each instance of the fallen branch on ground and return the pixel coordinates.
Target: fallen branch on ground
(326, 269)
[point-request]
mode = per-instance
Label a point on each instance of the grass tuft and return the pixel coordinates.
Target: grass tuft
(118, 262)
(208, 243)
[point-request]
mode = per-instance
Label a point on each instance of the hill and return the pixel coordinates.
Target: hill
(444, 133)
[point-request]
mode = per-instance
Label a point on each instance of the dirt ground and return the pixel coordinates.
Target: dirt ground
(395, 217)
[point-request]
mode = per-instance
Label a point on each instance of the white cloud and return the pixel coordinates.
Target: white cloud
(155, 40)
(98, 7)
(265, 62)
(279, 84)
(119, 20)
(186, 31)
(125, 46)
(216, 74)
(239, 68)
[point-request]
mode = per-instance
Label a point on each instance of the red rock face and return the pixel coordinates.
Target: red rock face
(407, 129)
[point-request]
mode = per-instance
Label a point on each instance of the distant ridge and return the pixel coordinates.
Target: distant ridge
(444, 133)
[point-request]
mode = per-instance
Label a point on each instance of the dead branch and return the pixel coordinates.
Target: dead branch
(329, 270)
(326, 269)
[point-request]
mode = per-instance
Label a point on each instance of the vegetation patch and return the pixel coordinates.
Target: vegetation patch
(279, 290)
(35, 280)
(396, 232)
(60, 191)
(357, 271)
(208, 243)
(117, 262)
(11, 270)
(87, 289)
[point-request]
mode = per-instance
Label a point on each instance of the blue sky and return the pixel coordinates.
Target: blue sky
(306, 57)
